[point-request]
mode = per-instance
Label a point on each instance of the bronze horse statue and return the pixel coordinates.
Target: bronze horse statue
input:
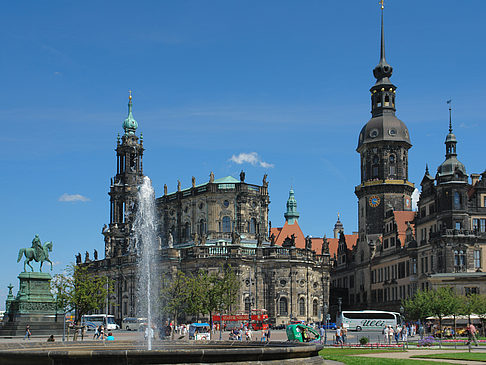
(40, 255)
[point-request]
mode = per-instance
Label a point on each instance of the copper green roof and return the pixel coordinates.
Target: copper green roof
(130, 125)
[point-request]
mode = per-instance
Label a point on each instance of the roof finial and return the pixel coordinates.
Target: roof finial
(426, 168)
(450, 114)
(382, 54)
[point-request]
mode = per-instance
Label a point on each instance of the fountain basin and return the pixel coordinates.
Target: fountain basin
(124, 352)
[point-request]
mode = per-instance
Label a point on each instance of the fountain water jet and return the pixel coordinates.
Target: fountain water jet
(145, 229)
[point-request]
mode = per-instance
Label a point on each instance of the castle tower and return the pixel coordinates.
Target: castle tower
(383, 146)
(123, 189)
(452, 186)
(291, 215)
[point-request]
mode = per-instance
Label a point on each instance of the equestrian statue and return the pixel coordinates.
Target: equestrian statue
(38, 253)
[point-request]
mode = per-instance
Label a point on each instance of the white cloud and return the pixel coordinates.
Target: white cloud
(251, 158)
(72, 198)
(415, 198)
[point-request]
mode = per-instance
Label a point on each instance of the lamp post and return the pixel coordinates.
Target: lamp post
(325, 326)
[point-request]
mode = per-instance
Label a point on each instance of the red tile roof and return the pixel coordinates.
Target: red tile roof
(288, 229)
(401, 219)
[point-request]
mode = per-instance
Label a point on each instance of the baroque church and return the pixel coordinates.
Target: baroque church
(214, 223)
(399, 251)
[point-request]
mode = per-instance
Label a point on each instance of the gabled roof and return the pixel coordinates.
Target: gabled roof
(351, 240)
(286, 231)
(401, 219)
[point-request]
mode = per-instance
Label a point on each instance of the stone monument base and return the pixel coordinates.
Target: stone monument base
(34, 305)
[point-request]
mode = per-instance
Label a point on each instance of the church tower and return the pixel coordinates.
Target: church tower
(383, 146)
(291, 215)
(123, 189)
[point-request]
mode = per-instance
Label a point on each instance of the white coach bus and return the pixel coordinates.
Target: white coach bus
(368, 319)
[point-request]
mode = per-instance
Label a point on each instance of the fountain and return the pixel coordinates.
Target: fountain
(145, 228)
(156, 352)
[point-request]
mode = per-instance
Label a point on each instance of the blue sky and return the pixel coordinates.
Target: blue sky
(287, 80)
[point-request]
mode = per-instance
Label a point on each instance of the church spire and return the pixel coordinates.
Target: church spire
(451, 140)
(383, 92)
(130, 125)
(291, 214)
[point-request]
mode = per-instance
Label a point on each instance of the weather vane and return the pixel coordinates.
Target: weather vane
(382, 4)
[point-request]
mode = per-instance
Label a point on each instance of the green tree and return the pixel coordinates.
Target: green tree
(81, 290)
(174, 295)
(417, 307)
(443, 302)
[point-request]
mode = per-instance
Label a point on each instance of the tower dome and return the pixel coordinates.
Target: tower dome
(130, 125)
(384, 125)
(451, 163)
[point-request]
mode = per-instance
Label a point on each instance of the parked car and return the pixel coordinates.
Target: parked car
(330, 326)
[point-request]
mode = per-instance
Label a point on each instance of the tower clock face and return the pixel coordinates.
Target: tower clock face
(374, 201)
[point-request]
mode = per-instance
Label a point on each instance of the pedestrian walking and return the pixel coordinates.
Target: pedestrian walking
(27, 332)
(338, 336)
(322, 332)
(471, 330)
(268, 334)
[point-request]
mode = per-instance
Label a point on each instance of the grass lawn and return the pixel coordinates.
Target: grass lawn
(346, 357)
(457, 356)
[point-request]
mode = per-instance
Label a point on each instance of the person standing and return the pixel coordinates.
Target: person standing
(322, 332)
(27, 332)
(338, 335)
(472, 334)
(268, 334)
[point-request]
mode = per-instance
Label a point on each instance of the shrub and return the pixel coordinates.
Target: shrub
(427, 341)
(364, 340)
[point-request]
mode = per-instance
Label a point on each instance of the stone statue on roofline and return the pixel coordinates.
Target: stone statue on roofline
(265, 182)
(211, 177)
(272, 239)
(165, 189)
(242, 176)
(325, 246)
(178, 185)
(235, 238)
(193, 182)
(308, 243)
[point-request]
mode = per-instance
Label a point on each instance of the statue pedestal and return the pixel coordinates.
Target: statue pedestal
(34, 305)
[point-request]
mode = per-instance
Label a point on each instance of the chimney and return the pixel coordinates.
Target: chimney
(474, 179)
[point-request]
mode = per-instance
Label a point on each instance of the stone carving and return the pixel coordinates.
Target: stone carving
(193, 182)
(259, 240)
(235, 238)
(78, 258)
(242, 176)
(178, 185)
(265, 182)
(211, 177)
(104, 229)
(325, 246)
(165, 189)
(86, 257)
(38, 253)
(170, 240)
(272, 239)
(196, 239)
(289, 241)
(203, 239)
(95, 255)
(308, 243)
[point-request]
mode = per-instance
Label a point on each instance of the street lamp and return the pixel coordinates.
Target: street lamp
(325, 326)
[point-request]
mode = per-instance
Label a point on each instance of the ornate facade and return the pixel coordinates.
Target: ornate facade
(218, 222)
(399, 251)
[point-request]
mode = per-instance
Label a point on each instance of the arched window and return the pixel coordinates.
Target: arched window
(187, 231)
(457, 200)
(247, 304)
(314, 307)
(375, 166)
(252, 226)
(302, 306)
(226, 224)
(283, 307)
(387, 100)
(201, 227)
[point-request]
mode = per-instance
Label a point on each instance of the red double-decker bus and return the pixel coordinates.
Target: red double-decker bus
(259, 319)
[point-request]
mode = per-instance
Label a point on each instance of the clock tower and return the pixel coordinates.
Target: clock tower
(383, 146)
